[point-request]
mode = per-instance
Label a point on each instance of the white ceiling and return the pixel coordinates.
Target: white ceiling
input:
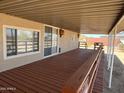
(85, 16)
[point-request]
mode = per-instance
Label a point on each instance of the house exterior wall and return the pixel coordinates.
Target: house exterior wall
(67, 42)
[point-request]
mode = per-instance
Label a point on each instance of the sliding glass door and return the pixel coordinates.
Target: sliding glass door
(54, 41)
(48, 41)
(51, 41)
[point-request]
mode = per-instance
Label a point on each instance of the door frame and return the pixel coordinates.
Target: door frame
(58, 38)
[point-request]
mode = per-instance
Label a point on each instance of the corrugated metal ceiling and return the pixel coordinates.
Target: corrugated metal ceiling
(87, 16)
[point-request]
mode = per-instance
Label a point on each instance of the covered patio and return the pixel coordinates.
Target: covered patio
(39, 51)
(59, 74)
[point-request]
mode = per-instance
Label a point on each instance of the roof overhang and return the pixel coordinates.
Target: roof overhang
(85, 16)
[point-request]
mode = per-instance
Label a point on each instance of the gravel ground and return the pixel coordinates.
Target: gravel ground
(118, 77)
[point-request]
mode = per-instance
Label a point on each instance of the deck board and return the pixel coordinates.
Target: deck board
(45, 76)
(99, 82)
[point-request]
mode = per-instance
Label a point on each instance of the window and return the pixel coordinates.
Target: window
(35, 41)
(21, 41)
(11, 41)
(48, 41)
(51, 41)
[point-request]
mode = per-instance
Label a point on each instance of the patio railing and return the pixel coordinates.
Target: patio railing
(83, 79)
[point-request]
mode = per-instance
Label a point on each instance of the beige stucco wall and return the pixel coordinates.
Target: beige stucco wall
(67, 42)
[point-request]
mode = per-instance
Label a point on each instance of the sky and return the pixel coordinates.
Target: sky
(121, 33)
(93, 35)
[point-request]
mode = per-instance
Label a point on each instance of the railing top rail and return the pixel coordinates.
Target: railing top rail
(78, 78)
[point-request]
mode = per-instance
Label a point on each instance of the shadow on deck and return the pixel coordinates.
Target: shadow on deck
(49, 75)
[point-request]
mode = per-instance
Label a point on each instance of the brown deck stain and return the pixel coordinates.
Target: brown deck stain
(44, 76)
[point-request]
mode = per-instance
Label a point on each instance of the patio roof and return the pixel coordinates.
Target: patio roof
(87, 16)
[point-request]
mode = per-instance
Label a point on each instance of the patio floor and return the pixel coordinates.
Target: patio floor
(45, 76)
(100, 82)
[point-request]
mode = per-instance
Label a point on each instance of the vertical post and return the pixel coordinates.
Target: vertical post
(112, 61)
(79, 44)
(108, 48)
(109, 52)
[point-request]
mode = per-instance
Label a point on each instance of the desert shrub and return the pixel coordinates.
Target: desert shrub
(121, 46)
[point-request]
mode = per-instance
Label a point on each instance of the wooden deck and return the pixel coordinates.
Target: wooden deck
(99, 82)
(44, 76)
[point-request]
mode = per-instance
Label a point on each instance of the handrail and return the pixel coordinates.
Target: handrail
(82, 80)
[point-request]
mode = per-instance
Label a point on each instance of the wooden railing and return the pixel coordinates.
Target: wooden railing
(82, 80)
(83, 45)
(22, 45)
(97, 45)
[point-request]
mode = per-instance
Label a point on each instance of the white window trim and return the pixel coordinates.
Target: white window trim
(57, 42)
(19, 55)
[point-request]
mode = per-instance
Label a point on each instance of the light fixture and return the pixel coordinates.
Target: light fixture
(78, 35)
(61, 32)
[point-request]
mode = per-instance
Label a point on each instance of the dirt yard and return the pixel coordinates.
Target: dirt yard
(118, 77)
